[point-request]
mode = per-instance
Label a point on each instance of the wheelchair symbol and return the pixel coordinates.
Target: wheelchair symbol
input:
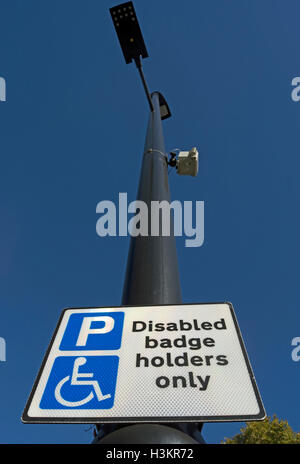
(96, 390)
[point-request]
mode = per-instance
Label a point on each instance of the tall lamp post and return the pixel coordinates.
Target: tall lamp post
(152, 275)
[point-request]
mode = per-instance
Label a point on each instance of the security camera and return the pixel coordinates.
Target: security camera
(187, 163)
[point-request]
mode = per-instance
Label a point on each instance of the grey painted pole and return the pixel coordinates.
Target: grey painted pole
(152, 278)
(152, 275)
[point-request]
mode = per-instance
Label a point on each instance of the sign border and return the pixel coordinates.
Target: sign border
(26, 419)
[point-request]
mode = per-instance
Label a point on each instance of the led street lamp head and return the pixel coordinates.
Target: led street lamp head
(128, 32)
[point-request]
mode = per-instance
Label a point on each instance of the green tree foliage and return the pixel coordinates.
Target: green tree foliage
(268, 431)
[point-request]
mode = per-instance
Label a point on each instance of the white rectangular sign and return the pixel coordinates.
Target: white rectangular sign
(177, 363)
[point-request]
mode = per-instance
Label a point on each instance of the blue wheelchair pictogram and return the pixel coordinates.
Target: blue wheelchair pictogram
(84, 382)
(75, 381)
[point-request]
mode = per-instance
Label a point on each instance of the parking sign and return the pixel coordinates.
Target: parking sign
(151, 363)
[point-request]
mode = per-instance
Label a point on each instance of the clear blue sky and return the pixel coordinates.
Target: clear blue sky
(72, 134)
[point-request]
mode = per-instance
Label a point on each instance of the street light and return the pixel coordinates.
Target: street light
(131, 39)
(152, 275)
(128, 32)
(134, 48)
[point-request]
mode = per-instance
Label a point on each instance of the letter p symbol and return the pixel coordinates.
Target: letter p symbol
(86, 329)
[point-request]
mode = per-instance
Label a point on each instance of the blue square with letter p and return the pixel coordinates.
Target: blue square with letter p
(93, 331)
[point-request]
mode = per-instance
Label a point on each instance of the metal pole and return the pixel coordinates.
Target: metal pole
(138, 63)
(152, 278)
(152, 275)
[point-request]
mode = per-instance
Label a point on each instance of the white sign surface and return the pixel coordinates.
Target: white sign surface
(150, 363)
